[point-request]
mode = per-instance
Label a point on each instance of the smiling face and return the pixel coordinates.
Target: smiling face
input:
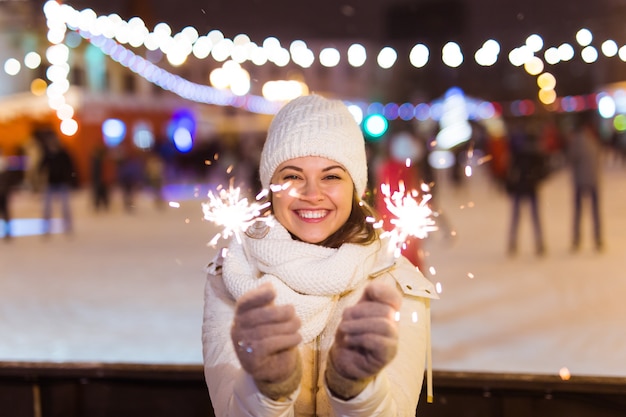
(315, 199)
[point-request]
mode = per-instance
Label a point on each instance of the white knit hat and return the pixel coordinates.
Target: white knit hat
(314, 126)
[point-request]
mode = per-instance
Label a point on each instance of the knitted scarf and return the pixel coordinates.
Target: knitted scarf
(308, 276)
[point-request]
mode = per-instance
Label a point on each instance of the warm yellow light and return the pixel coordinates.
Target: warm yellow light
(38, 87)
(534, 66)
(547, 96)
(546, 81)
(219, 78)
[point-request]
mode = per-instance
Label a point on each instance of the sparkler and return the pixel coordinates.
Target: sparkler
(233, 213)
(412, 215)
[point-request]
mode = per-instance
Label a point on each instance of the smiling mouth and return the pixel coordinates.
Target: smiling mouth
(312, 214)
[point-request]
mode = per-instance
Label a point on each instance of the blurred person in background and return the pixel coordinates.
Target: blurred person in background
(129, 176)
(155, 177)
(496, 147)
(101, 178)
(6, 184)
(584, 155)
(57, 167)
(617, 143)
(246, 170)
(400, 167)
(528, 168)
(33, 153)
(311, 316)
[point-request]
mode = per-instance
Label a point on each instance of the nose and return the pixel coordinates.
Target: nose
(311, 191)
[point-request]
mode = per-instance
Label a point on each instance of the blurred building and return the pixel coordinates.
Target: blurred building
(110, 80)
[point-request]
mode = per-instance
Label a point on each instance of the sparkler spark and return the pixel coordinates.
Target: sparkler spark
(232, 212)
(411, 217)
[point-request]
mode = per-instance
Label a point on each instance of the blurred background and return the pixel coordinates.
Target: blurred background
(117, 118)
(145, 78)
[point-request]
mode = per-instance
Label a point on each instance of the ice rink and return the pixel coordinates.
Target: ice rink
(128, 287)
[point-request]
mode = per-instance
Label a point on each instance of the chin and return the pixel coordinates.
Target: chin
(314, 240)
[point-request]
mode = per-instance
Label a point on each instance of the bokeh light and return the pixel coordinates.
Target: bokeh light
(113, 132)
(375, 126)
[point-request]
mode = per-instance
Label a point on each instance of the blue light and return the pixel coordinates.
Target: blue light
(390, 111)
(113, 132)
(31, 227)
(375, 108)
(422, 112)
(406, 111)
(182, 130)
(182, 140)
(486, 110)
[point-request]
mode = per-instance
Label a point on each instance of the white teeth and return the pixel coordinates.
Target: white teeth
(318, 214)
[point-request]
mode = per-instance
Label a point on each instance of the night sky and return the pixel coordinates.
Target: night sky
(383, 20)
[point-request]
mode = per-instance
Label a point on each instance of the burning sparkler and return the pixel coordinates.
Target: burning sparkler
(412, 217)
(233, 213)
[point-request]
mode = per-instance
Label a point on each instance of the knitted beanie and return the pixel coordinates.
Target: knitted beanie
(315, 126)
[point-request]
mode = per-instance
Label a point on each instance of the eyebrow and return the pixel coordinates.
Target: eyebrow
(295, 168)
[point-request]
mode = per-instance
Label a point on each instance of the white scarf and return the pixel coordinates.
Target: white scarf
(308, 276)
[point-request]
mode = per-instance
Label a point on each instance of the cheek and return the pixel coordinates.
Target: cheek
(280, 204)
(343, 200)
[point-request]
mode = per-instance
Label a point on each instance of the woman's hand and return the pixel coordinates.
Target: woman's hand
(366, 340)
(266, 340)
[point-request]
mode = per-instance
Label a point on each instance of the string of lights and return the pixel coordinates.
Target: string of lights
(114, 37)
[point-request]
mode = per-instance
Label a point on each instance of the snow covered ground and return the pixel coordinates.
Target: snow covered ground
(530, 314)
(128, 287)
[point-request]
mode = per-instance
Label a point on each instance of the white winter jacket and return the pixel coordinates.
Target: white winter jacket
(393, 392)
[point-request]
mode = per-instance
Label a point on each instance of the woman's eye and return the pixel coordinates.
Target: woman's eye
(290, 177)
(333, 177)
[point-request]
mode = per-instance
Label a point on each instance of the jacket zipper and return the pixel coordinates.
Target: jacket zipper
(316, 372)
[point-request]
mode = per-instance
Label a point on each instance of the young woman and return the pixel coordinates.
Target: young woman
(314, 316)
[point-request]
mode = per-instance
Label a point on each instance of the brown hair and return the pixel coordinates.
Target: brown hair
(357, 229)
